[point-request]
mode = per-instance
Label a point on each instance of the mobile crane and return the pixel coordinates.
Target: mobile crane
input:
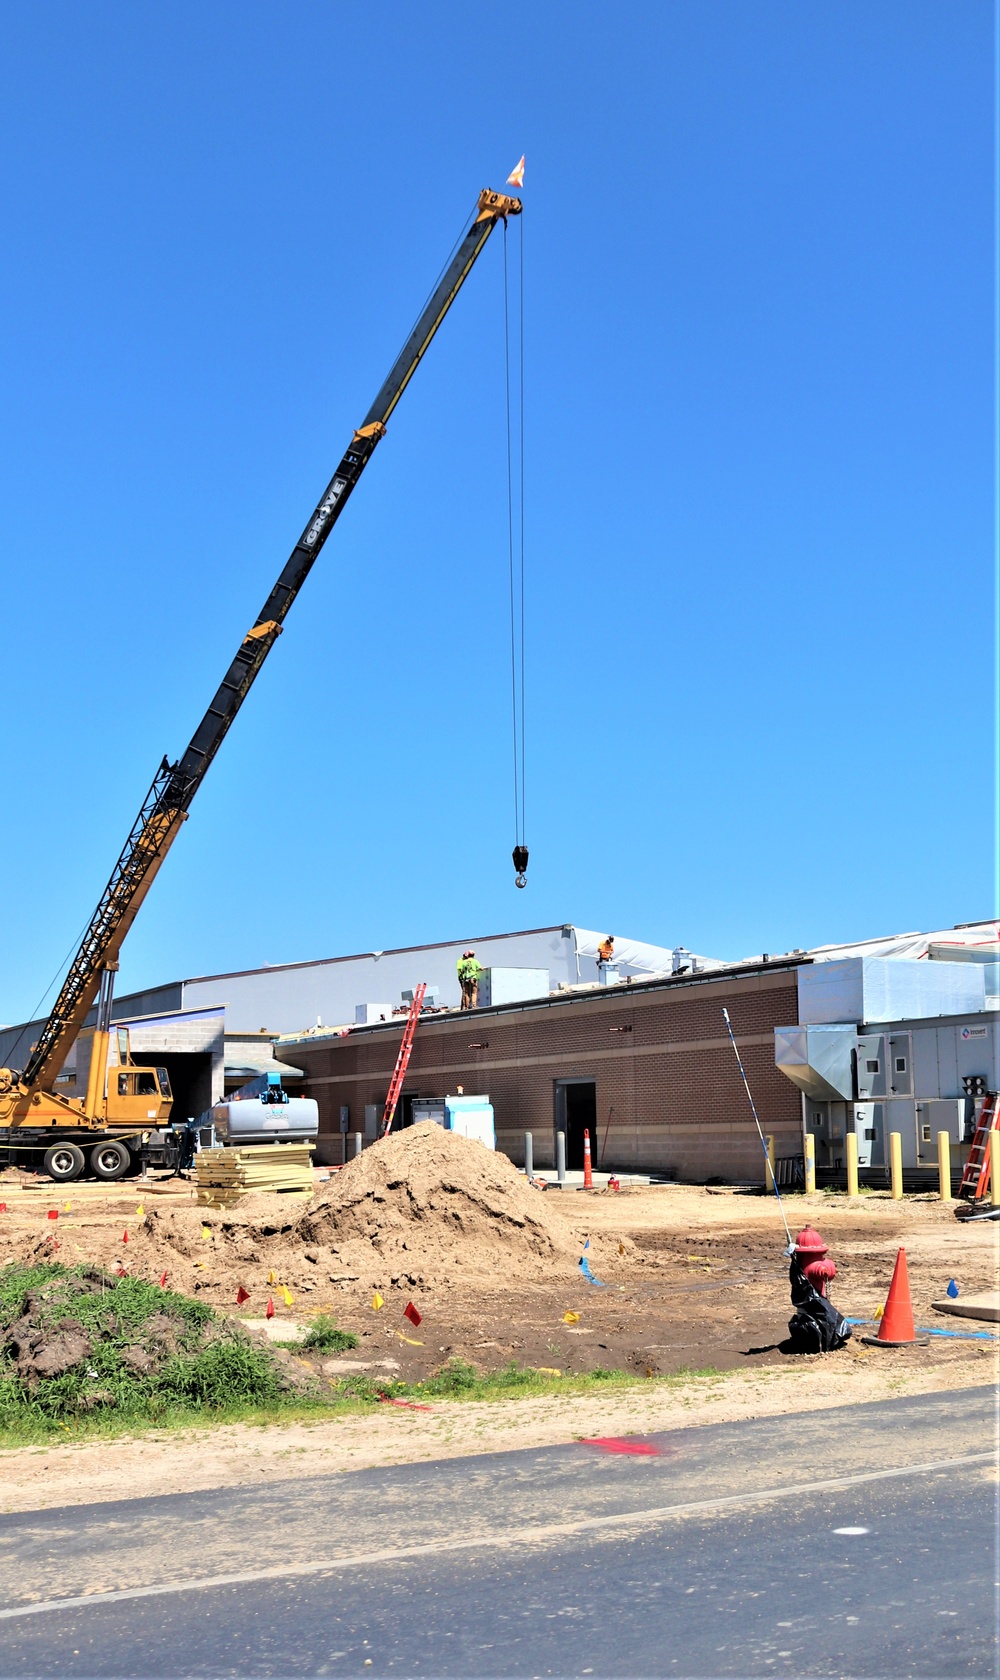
(102, 1130)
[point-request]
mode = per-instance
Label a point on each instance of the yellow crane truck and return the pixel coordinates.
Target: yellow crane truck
(101, 1132)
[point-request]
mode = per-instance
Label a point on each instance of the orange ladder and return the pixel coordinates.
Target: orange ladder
(402, 1060)
(976, 1172)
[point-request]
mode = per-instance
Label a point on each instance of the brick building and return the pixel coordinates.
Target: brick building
(648, 1067)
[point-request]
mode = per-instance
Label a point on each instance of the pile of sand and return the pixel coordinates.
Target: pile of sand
(426, 1206)
(418, 1209)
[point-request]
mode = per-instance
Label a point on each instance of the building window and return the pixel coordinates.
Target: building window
(872, 1067)
(900, 1064)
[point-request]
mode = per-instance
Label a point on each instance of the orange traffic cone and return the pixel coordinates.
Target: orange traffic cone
(896, 1324)
(588, 1176)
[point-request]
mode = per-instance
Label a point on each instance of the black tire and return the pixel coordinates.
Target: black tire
(63, 1162)
(110, 1159)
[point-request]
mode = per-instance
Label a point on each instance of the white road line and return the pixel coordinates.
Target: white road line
(495, 1540)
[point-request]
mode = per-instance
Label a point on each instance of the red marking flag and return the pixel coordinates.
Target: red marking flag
(269, 1310)
(53, 1213)
(410, 1312)
(242, 1295)
(163, 1281)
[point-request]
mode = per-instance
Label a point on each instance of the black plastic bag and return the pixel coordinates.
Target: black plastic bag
(816, 1326)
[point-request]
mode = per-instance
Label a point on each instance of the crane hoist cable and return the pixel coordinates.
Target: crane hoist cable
(515, 543)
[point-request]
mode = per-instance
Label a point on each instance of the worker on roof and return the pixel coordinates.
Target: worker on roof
(606, 951)
(469, 971)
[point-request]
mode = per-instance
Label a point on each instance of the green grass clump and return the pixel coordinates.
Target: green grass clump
(153, 1353)
(325, 1336)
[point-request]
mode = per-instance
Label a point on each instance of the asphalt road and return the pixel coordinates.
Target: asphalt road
(859, 1541)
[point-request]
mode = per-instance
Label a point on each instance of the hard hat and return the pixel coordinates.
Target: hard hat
(468, 953)
(809, 1244)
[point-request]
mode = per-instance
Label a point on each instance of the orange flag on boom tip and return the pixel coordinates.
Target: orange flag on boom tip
(516, 176)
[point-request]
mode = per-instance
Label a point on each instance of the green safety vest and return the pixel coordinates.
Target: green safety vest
(468, 969)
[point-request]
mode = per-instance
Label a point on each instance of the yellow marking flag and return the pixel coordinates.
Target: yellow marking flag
(271, 1278)
(286, 1295)
(377, 1302)
(571, 1318)
(140, 1212)
(206, 1232)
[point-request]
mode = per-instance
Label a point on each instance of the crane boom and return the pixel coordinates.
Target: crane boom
(174, 786)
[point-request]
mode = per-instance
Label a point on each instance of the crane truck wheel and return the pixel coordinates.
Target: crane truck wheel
(110, 1159)
(63, 1162)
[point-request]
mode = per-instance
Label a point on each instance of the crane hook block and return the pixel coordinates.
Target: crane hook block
(520, 857)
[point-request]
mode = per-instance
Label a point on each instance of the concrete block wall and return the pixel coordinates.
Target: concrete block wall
(669, 1094)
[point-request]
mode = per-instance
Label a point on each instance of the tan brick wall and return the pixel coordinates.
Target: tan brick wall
(669, 1095)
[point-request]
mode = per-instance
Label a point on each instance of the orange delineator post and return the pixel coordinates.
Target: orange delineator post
(402, 1060)
(976, 1172)
(588, 1172)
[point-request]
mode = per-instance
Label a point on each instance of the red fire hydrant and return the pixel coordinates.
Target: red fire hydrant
(812, 1254)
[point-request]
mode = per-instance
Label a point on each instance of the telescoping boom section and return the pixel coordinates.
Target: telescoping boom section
(27, 1097)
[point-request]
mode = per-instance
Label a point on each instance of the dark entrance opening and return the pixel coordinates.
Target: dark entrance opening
(190, 1079)
(576, 1111)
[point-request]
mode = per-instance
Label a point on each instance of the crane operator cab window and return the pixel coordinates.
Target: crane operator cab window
(144, 1082)
(273, 1094)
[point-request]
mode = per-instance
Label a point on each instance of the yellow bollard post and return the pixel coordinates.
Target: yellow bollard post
(896, 1164)
(995, 1167)
(852, 1163)
(769, 1179)
(810, 1164)
(944, 1166)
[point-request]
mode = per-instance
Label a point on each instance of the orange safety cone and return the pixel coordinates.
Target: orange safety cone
(588, 1176)
(896, 1325)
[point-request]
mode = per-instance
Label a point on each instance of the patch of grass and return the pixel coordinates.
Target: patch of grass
(325, 1336)
(148, 1355)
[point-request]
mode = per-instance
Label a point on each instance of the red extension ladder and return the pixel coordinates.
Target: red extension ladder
(402, 1060)
(976, 1173)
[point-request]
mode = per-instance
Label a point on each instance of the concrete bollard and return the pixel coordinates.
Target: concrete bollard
(561, 1157)
(770, 1180)
(896, 1164)
(944, 1166)
(810, 1164)
(529, 1152)
(359, 1139)
(995, 1167)
(852, 1163)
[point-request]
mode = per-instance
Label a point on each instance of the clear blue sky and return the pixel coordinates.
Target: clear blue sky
(758, 248)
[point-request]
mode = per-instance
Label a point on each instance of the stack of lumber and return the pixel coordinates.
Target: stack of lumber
(224, 1175)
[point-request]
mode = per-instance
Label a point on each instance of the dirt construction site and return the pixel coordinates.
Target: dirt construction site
(686, 1283)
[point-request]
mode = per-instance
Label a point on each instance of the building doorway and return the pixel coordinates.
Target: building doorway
(576, 1111)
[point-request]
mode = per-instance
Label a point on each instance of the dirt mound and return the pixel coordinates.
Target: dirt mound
(427, 1206)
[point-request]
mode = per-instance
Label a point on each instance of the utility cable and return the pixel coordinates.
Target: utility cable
(510, 543)
(34, 1016)
(515, 546)
(520, 323)
(769, 1172)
